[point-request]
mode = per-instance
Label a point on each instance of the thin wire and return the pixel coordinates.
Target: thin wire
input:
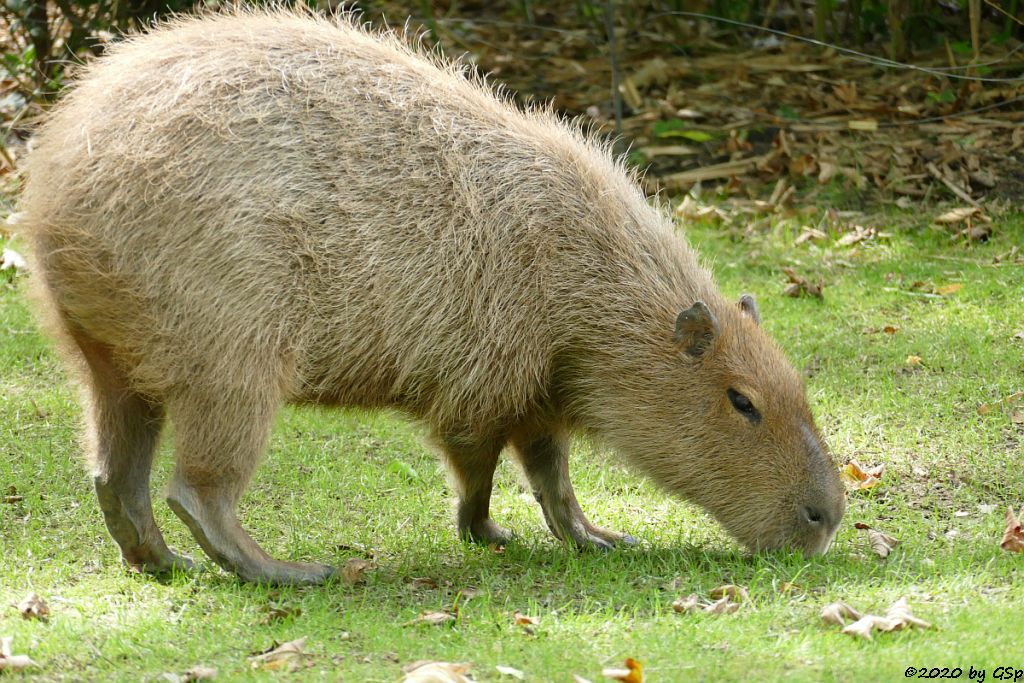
(860, 56)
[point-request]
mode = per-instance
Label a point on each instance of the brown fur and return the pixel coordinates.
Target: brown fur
(246, 209)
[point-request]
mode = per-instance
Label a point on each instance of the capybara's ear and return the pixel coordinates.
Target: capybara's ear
(696, 328)
(749, 308)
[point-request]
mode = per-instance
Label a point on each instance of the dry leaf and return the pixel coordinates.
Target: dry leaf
(1013, 536)
(510, 671)
(890, 329)
(734, 593)
(196, 673)
(437, 672)
(423, 582)
(279, 613)
(285, 657)
(436, 618)
(946, 290)
(868, 125)
(863, 627)
(984, 409)
(856, 476)
(881, 544)
(913, 361)
(799, 286)
(10, 661)
(691, 603)
(352, 571)
(838, 612)
(33, 607)
(899, 612)
(1016, 417)
(958, 215)
(723, 606)
(896, 618)
(521, 619)
(633, 673)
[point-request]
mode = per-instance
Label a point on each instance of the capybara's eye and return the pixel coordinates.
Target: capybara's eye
(744, 406)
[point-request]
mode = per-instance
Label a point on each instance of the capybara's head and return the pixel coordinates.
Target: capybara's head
(732, 431)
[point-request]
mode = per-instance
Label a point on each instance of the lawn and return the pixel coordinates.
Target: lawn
(339, 485)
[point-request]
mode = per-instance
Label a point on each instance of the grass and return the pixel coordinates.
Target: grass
(337, 485)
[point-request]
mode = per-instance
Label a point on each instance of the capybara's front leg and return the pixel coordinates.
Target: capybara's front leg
(471, 461)
(545, 458)
(218, 447)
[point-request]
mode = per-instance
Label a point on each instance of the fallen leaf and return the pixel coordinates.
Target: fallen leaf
(196, 673)
(1016, 417)
(881, 544)
(734, 593)
(856, 476)
(33, 607)
(434, 618)
(10, 661)
(1013, 536)
(521, 619)
(899, 612)
(984, 409)
(890, 329)
(691, 603)
(510, 671)
(913, 361)
(722, 606)
(896, 618)
(285, 657)
(353, 569)
(863, 627)
(958, 215)
(437, 672)
(800, 286)
(633, 673)
(952, 288)
(838, 612)
(422, 583)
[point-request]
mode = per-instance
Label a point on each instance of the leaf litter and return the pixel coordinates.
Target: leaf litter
(881, 544)
(1013, 535)
(437, 672)
(724, 600)
(898, 617)
(10, 661)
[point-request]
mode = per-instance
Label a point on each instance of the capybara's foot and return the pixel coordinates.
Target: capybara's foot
(212, 521)
(161, 564)
(486, 532)
(597, 538)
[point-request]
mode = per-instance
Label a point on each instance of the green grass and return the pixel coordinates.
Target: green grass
(329, 488)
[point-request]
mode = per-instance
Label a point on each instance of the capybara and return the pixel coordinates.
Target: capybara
(250, 208)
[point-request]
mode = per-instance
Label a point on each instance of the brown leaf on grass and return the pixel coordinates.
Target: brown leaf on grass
(897, 618)
(520, 619)
(1013, 536)
(10, 661)
(914, 361)
(1016, 416)
(858, 477)
(633, 673)
(881, 544)
(691, 603)
(437, 672)
(284, 657)
(838, 612)
(33, 607)
(946, 290)
(958, 215)
(353, 569)
(435, 618)
(422, 583)
(730, 591)
(800, 286)
(724, 600)
(196, 673)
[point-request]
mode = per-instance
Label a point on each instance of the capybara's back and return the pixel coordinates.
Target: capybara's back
(236, 211)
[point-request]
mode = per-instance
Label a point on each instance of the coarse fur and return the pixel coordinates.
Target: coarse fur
(255, 207)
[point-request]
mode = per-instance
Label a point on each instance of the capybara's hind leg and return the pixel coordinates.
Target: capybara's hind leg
(471, 461)
(545, 458)
(218, 444)
(123, 428)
